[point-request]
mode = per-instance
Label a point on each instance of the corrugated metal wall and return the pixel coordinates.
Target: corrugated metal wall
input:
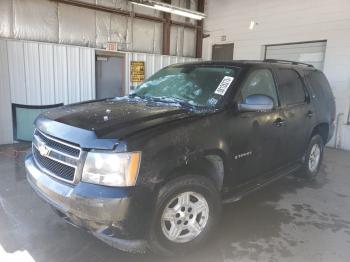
(34, 73)
(44, 74)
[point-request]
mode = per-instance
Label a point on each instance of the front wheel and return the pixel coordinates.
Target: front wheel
(188, 208)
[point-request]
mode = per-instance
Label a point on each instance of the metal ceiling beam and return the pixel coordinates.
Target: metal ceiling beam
(199, 33)
(166, 31)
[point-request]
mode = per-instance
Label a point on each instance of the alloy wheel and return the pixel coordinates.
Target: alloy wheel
(314, 158)
(184, 217)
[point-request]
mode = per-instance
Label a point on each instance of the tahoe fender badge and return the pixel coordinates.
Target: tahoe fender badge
(238, 156)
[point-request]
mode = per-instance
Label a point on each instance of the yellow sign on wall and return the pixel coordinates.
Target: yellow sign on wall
(137, 71)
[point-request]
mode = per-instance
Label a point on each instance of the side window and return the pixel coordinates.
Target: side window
(291, 87)
(319, 85)
(259, 82)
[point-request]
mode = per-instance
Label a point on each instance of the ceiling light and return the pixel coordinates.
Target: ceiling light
(186, 14)
(252, 24)
(169, 9)
(162, 8)
(143, 5)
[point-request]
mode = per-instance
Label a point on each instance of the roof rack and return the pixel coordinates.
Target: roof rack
(287, 62)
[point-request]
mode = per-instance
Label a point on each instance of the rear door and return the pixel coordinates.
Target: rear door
(298, 112)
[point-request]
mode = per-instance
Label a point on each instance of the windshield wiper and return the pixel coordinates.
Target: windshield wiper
(165, 99)
(133, 95)
(170, 100)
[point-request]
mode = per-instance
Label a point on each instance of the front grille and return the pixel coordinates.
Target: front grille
(55, 157)
(53, 167)
(69, 150)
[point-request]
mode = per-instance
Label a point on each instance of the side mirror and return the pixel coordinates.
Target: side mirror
(256, 103)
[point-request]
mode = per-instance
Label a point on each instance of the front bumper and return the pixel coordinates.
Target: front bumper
(117, 216)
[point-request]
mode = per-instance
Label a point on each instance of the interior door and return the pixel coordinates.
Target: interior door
(258, 144)
(223, 52)
(109, 76)
(298, 112)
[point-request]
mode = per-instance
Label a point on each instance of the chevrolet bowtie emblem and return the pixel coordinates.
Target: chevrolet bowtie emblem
(43, 149)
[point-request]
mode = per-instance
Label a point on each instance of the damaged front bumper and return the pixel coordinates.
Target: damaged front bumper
(116, 216)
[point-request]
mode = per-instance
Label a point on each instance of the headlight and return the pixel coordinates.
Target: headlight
(111, 169)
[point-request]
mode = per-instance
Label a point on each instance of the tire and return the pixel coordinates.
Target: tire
(312, 162)
(172, 197)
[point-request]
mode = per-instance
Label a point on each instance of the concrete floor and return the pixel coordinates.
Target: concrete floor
(291, 220)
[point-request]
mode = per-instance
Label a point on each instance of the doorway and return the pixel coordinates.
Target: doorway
(312, 52)
(110, 73)
(222, 52)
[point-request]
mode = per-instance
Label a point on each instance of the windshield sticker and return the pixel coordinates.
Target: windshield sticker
(212, 101)
(223, 86)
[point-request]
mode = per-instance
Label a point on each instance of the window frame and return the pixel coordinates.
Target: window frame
(14, 106)
(274, 78)
(302, 80)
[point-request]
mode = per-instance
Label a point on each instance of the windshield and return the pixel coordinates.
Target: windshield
(194, 85)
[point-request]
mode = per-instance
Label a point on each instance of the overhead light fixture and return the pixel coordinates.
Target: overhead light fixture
(161, 8)
(252, 24)
(169, 9)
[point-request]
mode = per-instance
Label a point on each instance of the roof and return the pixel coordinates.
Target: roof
(254, 62)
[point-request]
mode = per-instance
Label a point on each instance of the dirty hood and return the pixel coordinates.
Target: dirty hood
(117, 118)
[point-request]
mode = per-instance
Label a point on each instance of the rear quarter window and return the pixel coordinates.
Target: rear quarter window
(319, 85)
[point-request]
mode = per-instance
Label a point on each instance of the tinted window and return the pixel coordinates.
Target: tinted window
(259, 82)
(319, 84)
(290, 86)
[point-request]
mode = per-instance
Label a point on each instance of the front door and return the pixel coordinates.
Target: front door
(258, 144)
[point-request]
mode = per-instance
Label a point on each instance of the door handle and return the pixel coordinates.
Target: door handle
(279, 122)
(310, 114)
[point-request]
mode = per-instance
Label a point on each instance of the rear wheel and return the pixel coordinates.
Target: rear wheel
(188, 208)
(313, 157)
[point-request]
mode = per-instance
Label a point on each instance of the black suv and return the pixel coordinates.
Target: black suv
(151, 170)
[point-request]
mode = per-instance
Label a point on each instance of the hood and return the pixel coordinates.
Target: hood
(118, 117)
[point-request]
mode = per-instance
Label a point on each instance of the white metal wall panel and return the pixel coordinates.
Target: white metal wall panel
(85, 69)
(73, 72)
(44, 74)
(47, 74)
(5, 97)
(17, 71)
(311, 53)
(32, 73)
(60, 74)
